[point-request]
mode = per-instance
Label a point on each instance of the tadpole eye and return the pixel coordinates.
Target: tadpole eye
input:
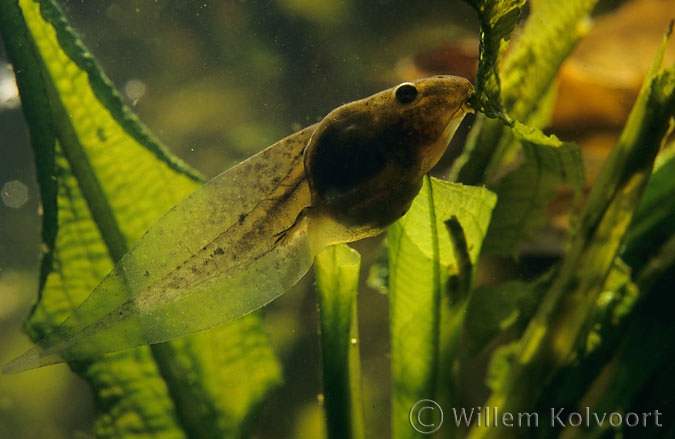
(406, 93)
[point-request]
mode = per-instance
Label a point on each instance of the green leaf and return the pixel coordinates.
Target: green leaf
(501, 309)
(549, 35)
(562, 322)
(502, 312)
(337, 280)
(497, 20)
(617, 373)
(104, 180)
(496, 147)
(422, 261)
(524, 194)
(626, 378)
(527, 73)
(654, 221)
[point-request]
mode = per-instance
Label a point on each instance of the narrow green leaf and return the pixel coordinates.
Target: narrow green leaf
(422, 260)
(502, 312)
(658, 266)
(623, 379)
(104, 180)
(573, 385)
(497, 20)
(454, 300)
(654, 221)
(337, 280)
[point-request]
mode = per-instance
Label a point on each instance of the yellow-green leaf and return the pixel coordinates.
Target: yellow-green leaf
(422, 260)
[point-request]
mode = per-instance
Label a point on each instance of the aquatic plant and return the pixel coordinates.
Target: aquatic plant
(580, 335)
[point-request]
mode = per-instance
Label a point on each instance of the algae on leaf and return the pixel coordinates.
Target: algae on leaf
(104, 180)
(497, 20)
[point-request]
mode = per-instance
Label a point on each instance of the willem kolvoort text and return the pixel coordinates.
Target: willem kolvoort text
(491, 417)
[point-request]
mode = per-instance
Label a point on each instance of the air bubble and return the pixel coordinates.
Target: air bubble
(14, 194)
(135, 90)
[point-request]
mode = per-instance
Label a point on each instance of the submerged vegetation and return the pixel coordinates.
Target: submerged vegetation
(518, 282)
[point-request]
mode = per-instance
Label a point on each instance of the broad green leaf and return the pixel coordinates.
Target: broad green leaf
(563, 320)
(502, 309)
(104, 180)
(337, 280)
(422, 261)
(497, 146)
(524, 194)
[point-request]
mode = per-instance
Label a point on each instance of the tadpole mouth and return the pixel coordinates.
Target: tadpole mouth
(468, 108)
